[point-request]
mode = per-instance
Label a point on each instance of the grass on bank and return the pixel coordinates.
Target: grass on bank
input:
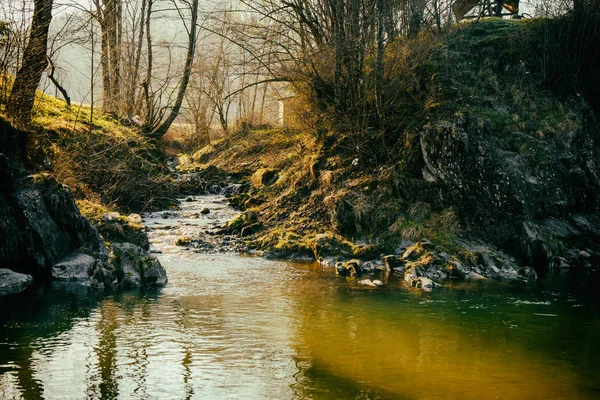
(101, 159)
(367, 187)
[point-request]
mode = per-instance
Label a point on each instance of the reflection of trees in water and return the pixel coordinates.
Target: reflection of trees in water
(122, 326)
(107, 350)
(30, 318)
(197, 318)
(34, 315)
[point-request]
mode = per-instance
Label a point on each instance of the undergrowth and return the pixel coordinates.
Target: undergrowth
(98, 157)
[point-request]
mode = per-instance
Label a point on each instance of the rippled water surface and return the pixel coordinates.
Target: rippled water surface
(239, 327)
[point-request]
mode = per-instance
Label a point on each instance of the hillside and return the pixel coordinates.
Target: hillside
(485, 159)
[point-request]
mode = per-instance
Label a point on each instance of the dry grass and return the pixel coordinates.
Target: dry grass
(100, 158)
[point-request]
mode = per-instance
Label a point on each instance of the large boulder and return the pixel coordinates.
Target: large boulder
(13, 282)
(76, 266)
(40, 225)
(515, 189)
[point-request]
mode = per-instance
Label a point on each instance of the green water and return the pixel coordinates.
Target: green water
(232, 327)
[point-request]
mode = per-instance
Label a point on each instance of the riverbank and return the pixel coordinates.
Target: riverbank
(492, 175)
(44, 236)
(232, 326)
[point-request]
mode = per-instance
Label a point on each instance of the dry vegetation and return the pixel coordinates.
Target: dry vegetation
(366, 186)
(103, 161)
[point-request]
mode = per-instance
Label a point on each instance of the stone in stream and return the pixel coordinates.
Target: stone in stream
(391, 262)
(13, 282)
(423, 283)
(372, 283)
(76, 266)
(349, 268)
(205, 211)
(135, 267)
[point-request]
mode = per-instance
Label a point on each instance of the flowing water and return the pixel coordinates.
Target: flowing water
(239, 327)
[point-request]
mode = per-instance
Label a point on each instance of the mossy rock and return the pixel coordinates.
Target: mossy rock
(264, 177)
(247, 219)
(349, 268)
(329, 244)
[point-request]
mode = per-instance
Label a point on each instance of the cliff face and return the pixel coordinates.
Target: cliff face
(39, 221)
(540, 204)
(43, 234)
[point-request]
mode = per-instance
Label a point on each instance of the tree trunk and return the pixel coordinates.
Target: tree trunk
(164, 127)
(380, 54)
(28, 77)
(61, 89)
(148, 95)
(136, 64)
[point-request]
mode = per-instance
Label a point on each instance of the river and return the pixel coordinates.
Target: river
(229, 326)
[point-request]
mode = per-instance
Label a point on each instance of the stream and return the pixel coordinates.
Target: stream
(230, 326)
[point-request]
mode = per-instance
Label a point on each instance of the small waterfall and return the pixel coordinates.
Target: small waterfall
(231, 188)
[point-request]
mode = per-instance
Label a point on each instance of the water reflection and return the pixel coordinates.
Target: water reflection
(231, 327)
(256, 329)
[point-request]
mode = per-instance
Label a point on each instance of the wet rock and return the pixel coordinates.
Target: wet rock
(527, 274)
(372, 283)
(474, 276)
(349, 268)
(391, 262)
(456, 270)
(205, 211)
(423, 283)
(561, 263)
(13, 282)
(367, 267)
(354, 267)
(76, 266)
(584, 254)
(135, 267)
(410, 274)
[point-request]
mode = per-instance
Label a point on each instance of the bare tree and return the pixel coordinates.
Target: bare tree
(109, 16)
(191, 30)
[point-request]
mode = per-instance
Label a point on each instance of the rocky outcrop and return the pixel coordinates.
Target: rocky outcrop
(134, 267)
(76, 266)
(534, 195)
(40, 225)
(13, 282)
(424, 266)
(44, 236)
(117, 228)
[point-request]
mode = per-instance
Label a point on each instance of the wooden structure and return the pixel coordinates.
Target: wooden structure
(465, 9)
